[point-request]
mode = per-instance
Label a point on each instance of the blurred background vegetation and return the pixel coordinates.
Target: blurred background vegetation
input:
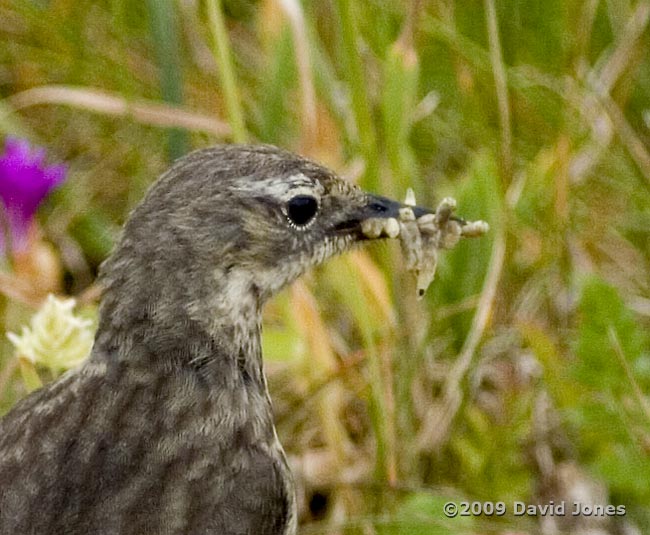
(525, 372)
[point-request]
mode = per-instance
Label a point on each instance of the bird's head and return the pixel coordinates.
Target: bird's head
(227, 227)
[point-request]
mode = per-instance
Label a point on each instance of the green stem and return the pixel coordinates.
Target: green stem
(501, 84)
(29, 374)
(380, 411)
(360, 98)
(225, 63)
(163, 30)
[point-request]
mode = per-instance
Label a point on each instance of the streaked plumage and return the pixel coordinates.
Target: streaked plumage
(168, 429)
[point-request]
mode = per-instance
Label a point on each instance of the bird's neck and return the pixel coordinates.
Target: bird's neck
(204, 355)
(213, 330)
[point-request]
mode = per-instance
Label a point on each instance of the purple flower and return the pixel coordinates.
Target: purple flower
(25, 180)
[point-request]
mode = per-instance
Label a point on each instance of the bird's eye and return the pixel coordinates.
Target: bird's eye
(301, 209)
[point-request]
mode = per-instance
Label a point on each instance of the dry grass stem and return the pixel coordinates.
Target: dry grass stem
(105, 103)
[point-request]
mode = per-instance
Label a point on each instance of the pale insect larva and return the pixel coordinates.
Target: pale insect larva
(422, 237)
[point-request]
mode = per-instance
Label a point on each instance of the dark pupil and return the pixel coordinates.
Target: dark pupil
(301, 209)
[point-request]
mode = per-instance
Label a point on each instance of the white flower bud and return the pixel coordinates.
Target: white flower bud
(55, 338)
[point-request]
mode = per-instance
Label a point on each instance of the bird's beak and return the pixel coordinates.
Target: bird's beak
(383, 207)
(377, 217)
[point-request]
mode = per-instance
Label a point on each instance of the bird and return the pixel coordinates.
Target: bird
(167, 428)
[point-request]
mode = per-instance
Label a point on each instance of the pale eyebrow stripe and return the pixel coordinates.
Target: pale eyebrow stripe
(284, 187)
